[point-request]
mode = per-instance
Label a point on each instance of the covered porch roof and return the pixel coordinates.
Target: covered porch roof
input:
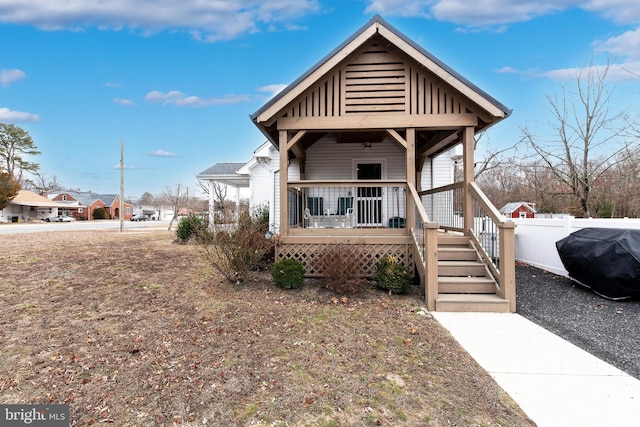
(226, 173)
(29, 198)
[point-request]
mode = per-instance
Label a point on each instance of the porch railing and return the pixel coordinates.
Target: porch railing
(445, 205)
(347, 204)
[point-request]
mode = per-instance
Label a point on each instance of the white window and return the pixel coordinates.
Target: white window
(523, 214)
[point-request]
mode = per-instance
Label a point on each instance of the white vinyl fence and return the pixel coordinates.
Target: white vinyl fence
(536, 238)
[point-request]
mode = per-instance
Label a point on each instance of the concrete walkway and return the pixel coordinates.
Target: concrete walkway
(555, 383)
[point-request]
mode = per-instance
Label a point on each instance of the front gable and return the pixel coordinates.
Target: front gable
(378, 80)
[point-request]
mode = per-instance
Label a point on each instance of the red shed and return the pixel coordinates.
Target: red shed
(519, 210)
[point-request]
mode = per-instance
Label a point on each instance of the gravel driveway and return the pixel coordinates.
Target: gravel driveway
(610, 330)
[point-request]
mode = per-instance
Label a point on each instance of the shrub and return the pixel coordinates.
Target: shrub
(189, 227)
(237, 250)
(337, 263)
(392, 276)
(100, 213)
(288, 273)
(261, 215)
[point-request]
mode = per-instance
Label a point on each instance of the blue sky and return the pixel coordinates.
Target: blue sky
(178, 80)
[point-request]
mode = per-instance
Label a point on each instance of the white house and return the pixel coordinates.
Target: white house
(29, 206)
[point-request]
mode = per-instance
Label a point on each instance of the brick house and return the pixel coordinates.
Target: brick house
(81, 205)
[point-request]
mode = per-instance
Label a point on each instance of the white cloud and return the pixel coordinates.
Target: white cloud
(486, 13)
(273, 89)
(133, 168)
(162, 153)
(7, 115)
(180, 99)
(626, 71)
(111, 84)
(9, 76)
(210, 21)
(620, 11)
(626, 44)
(122, 101)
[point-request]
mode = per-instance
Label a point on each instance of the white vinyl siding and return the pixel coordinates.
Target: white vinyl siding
(327, 159)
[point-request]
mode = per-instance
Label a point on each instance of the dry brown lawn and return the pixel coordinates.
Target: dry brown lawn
(135, 330)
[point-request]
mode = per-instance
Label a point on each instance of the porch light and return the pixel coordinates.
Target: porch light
(366, 146)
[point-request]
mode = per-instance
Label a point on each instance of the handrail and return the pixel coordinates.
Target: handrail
(494, 214)
(416, 199)
(449, 187)
(347, 183)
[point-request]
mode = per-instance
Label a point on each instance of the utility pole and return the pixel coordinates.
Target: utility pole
(121, 185)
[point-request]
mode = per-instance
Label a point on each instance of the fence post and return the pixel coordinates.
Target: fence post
(431, 264)
(506, 247)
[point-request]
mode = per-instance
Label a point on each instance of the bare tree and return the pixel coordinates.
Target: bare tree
(42, 182)
(146, 199)
(588, 136)
(176, 198)
(492, 158)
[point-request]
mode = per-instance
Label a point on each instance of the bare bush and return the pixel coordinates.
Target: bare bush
(238, 250)
(337, 263)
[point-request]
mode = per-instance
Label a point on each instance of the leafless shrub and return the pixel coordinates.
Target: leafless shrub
(238, 250)
(337, 263)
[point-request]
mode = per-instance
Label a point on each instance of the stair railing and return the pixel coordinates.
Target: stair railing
(425, 238)
(494, 237)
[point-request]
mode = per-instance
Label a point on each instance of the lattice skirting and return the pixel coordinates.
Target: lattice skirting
(363, 256)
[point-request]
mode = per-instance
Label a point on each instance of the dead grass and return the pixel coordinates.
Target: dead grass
(133, 329)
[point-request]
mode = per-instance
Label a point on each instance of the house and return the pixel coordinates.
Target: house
(29, 206)
(227, 174)
(81, 205)
(358, 138)
(519, 210)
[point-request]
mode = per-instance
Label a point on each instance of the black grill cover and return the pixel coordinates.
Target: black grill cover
(607, 260)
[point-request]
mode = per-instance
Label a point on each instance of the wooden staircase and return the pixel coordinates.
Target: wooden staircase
(464, 281)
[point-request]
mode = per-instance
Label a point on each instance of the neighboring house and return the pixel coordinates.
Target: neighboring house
(81, 205)
(29, 206)
(519, 210)
(354, 147)
(151, 212)
(229, 175)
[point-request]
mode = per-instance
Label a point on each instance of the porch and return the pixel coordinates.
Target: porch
(461, 267)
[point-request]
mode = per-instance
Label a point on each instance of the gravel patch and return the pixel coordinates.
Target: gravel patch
(610, 330)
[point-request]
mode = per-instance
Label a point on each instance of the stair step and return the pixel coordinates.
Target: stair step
(447, 253)
(461, 268)
(453, 240)
(466, 285)
(472, 303)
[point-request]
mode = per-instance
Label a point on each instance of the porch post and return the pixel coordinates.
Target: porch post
(411, 176)
(284, 180)
(467, 164)
(431, 264)
(212, 207)
(506, 248)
